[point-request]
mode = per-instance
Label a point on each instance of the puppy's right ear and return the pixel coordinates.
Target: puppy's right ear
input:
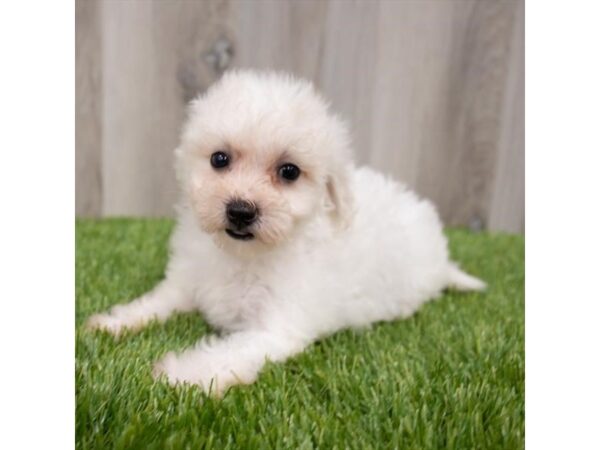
(340, 196)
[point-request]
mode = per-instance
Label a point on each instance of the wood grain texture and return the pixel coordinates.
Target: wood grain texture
(348, 67)
(475, 102)
(88, 104)
(279, 35)
(433, 91)
(507, 208)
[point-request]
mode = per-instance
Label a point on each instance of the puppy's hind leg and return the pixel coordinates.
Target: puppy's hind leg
(158, 304)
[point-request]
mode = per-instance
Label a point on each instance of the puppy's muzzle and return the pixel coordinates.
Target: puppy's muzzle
(240, 215)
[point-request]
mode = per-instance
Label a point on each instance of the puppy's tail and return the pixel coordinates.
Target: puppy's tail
(461, 281)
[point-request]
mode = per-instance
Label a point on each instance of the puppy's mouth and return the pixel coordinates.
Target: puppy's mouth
(239, 235)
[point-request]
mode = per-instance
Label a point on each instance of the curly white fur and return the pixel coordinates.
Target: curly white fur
(339, 247)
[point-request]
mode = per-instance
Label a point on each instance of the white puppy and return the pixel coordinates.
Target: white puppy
(280, 240)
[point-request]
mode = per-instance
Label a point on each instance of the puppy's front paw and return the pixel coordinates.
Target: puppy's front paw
(167, 367)
(106, 322)
(211, 378)
(178, 370)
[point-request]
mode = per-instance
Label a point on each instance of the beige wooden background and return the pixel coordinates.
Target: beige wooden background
(434, 91)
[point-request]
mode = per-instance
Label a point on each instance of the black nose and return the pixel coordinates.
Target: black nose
(241, 213)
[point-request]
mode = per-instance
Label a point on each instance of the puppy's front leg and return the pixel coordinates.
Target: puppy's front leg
(218, 363)
(158, 304)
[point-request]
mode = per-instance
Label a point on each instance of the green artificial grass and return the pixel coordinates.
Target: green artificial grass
(451, 376)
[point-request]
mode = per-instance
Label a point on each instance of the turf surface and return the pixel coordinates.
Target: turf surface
(452, 376)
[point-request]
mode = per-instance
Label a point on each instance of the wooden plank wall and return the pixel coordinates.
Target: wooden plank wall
(433, 90)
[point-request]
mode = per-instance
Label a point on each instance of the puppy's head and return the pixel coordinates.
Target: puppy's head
(260, 156)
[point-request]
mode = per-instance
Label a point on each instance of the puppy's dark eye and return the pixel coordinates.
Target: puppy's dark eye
(289, 172)
(219, 160)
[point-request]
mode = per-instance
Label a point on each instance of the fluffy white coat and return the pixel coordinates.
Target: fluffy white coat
(339, 247)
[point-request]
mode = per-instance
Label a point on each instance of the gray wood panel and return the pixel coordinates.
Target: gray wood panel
(507, 207)
(433, 91)
(475, 110)
(88, 102)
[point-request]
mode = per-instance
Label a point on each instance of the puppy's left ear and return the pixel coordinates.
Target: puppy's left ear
(340, 196)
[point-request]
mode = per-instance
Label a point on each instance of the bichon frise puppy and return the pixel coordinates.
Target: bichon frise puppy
(280, 240)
